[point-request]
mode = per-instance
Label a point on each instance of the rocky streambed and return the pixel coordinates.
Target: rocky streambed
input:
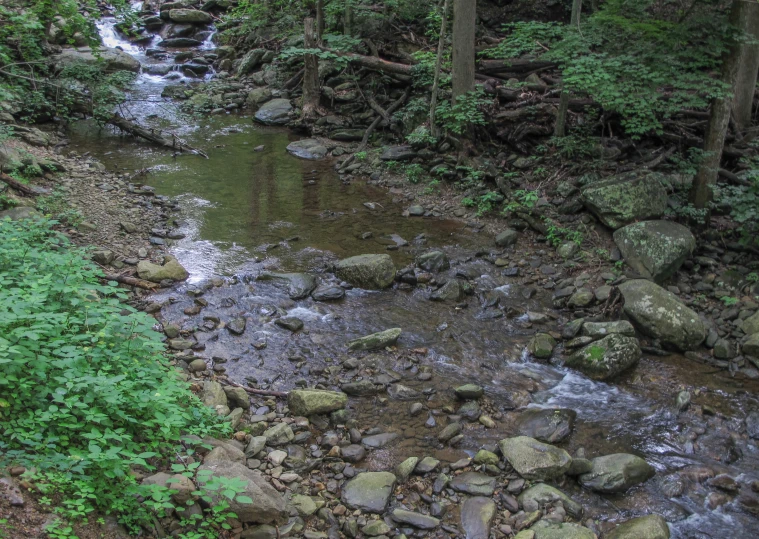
(440, 380)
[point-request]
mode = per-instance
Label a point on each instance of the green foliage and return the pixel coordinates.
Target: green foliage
(88, 392)
(56, 206)
(526, 38)
(484, 203)
(752, 277)
(466, 112)
(729, 301)
(421, 136)
(414, 172)
(575, 146)
(521, 200)
(742, 201)
(423, 72)
(557, 235)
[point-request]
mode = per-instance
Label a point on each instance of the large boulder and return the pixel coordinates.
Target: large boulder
(267, 507)
(299, 285)
(189, 16)
(308, 148)
(535, 460)
(250, 61)
(398, 153)
(376, 341)
(113, 59)
(154, 273)
(655, 249)
(606, 358)
(369, 491)
(646, 527)
(306, 402)
(626, 198)
(372, 272)
(616, 473)
(274, 112)
(660, 314)
(545, 495)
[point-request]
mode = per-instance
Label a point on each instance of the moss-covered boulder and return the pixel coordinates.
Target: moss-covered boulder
(372, 272)
(541, 345)
(647, 527)
(655, 249)
(606, 358)
(616, 473)
(306, 402)
(171, 269)
(660, 314)
(535, 460)
(624, 199)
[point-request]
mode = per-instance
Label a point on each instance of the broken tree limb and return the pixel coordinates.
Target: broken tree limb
(173, 142)
(131, 281)
(265, 392)
(23, 188)
(373, 62)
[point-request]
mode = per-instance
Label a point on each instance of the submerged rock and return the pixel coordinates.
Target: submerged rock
(300, 285)
(433, 261)
(376, 341)
(306, 402)
(369, 271)
(328, 292)
(616, 473)
(660, 314)
(369, 491)
(606, 358)
(655, 249)
(624, 199)
(646, 527)
(535, 460)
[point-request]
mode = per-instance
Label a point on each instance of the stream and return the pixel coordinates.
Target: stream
(246, 211)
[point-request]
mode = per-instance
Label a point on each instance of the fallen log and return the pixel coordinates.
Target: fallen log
(373, 62)
(173, 142)
(264, 392)
(131, 281)
(23, 188)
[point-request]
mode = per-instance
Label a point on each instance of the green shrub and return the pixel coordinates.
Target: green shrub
(86, 391)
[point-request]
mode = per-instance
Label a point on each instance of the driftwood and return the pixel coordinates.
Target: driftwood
(264, 392)
(131, 281)
(23, 188)
(151, 135)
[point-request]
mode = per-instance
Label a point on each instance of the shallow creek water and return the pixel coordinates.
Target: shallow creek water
(247, 211)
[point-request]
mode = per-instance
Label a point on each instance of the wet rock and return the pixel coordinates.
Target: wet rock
(378, 441)
(724, 349)
(474, 483)
(535, 460)
(750, 346)
(624, 199)
(433, 261)
(237, 397)
(655, 249)
(507, 238)
(469, 391)
(367, 271)
(111, 59)
(307, 149)
(426, 465)
(555, 530)
(347, 135)
(405, 468)
(363, 388)
(660, 314)
(416, 520)
(549, 425)
(451, 291)
(353, 453)
(279, 434)
(274, 112)
(212, 394)
(398, 153)
(750, 325)
(154, 273)
(543, 495)
(290, 323)
(257, 96)
(606, 358)
(579, 466)
(180, 42)
(647, 527)
(598, 330)
(752, 424)
(237, 326)
(470, 410)
(306, 402)
(403, 393)
(299, 285)
(304, 505)
(581, 298)
(369, 491)
(189, 16)
(541, 345)
(328, 292)
(376, 341)
(484, 456)
(477, 515)
(616, 473)
(268, 507)
(449, 432)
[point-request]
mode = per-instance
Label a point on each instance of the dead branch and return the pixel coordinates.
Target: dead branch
(131, 281)
(265, 392)
(18, 186)
(175, 143)
(373, 62)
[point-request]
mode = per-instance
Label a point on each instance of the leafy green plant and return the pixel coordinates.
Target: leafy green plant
(729, 301)
(522, 200)
(465, 113)
(556, 235)
(89, 393)
(360, 156)
(420, 136)
(413, 172)
(752, 277)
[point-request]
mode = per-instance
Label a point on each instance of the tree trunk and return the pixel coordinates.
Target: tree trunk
(319, 19)
(464, 22)
(574, 20)
(348, 20)
(311, 74)
(745, 84)
(719, 115)
(560, 128)
(438, 64)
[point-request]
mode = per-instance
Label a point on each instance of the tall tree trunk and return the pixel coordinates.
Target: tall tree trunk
(348, 20)
(319, 19)
(464, 22)
(745, 84)
(574, 20)
(438, 64)
(719, 115)
(311, 75)
(560, 128)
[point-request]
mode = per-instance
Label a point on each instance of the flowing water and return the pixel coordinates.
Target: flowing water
(247, 211)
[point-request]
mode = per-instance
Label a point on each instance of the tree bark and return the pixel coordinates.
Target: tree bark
(745, 84)
(438, 64)
(311, 74)
(719, 115)
(319, 19)
(561, 118)
(574, 20)
(464, 22)
(348, 20)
